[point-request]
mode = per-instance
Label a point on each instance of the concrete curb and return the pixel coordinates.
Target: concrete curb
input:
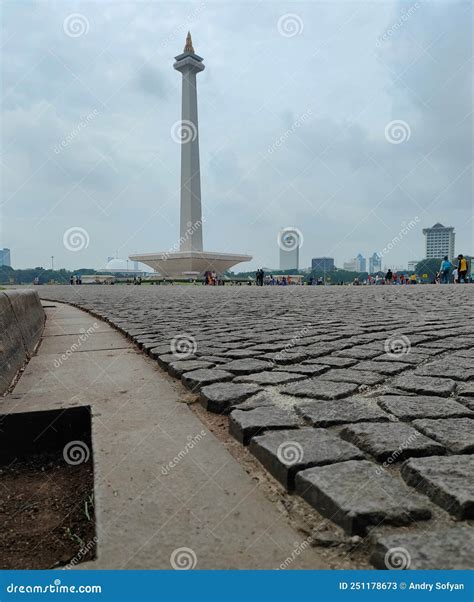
(21, 325)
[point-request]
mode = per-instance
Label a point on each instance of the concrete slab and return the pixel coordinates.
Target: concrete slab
(162, 480)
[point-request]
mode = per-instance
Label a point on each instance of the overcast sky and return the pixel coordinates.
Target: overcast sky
(295, 111)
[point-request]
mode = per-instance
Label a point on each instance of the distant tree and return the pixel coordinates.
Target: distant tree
(430, 267)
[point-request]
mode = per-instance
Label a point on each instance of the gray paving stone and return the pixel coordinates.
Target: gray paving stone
(448, 481)
(247, 366)
(263, 399)
(314, 370)
(456, 434)
(422, 385)
(387, 368)
(359, 353)
(436, 548)
(200, 378)
(329, 413)
(219, 397)
(335, 362)
(169, 358)
(449, 369)
(243, 425)
(349, 375)
(409, 408)
(466, 389)
(270, 378)
(180, 367)
(356, 496)
(390, 441)
(319, 389)
(284, 453)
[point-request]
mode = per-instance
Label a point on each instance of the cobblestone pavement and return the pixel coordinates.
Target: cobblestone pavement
(358, 399)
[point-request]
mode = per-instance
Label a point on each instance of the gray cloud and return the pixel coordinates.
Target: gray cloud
(353, 68)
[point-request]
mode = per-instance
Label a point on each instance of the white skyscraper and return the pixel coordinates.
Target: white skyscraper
(290, 240)
(439, 241)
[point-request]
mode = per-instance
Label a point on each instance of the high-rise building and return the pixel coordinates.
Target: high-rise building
(322, 264)
(360, 263)
(375, 263)
(5, 258)
(350, 266)
(412, 264)
(439, 241)
(289, 241)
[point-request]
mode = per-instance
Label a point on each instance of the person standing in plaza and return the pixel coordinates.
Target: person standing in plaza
(455, 276)
(445, 270)
(388, 276)
(462, 268)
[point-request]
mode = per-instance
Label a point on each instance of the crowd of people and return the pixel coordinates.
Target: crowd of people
(75, 279)
(455, 273)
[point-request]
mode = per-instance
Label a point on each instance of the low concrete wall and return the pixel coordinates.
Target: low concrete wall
(21, 326)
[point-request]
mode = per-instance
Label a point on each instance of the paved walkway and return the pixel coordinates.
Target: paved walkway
(360, 399)
(205, 502)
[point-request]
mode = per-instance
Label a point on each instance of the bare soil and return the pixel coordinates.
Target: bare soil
(46, 513)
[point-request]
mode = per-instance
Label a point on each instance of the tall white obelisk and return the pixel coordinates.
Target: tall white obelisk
(191, 259)
(190, 64)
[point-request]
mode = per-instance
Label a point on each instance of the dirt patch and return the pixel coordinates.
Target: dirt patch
(46, 513)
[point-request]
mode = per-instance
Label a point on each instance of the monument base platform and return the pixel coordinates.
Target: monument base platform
(184, 263)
